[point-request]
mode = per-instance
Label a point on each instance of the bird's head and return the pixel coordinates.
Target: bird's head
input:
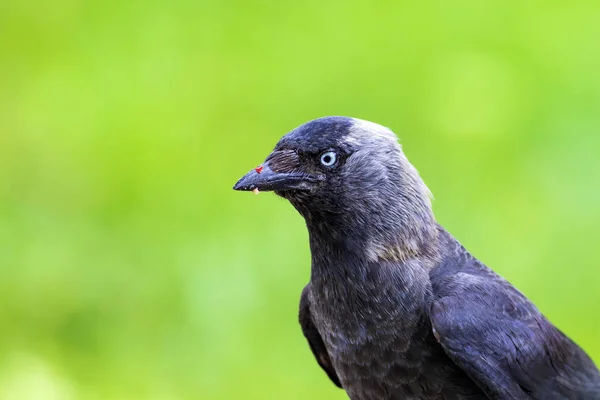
(352, 183)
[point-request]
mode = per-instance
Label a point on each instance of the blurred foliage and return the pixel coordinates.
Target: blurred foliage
(129, 269)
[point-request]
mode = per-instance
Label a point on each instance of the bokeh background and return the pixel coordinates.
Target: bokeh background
(129, 269)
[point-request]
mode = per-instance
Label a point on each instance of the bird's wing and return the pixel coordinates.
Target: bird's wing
(314, 338)
(500, 339)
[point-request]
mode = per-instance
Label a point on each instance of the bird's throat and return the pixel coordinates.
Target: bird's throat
(337, 240)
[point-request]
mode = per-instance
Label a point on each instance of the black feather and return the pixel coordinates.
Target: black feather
(314, 338)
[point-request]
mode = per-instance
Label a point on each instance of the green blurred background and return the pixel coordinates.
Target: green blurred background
(129, 269)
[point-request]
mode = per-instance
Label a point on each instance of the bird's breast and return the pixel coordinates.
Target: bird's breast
(368, 328)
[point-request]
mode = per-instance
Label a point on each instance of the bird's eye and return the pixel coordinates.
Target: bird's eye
(329, 158)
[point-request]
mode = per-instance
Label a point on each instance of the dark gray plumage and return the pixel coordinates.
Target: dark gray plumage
(396, 308)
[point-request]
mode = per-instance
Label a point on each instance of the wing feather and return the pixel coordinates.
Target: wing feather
(314, 338)
(501, 340)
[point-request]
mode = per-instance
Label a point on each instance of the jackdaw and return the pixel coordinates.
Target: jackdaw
(396, 308)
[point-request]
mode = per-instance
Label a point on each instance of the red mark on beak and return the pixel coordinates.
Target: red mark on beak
(259, 169)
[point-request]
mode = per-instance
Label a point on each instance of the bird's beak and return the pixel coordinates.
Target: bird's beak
(285, 176)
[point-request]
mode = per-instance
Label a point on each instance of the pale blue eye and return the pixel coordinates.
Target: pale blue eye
(329, 158)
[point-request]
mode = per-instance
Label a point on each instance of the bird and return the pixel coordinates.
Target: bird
(396, 308)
